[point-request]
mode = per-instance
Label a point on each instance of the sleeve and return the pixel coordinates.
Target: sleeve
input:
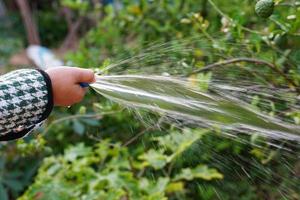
(25, 102)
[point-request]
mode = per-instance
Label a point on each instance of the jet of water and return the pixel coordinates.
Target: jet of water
(177, 98)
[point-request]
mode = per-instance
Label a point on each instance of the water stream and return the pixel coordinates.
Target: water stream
(178, 98)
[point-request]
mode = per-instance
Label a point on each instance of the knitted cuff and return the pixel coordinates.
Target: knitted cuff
(25, 100)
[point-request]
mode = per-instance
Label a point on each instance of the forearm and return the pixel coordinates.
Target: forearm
(25, 101)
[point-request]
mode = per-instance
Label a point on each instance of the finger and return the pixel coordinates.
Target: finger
(78, 94)
(84, 76)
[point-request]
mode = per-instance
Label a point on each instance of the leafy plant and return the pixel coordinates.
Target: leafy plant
(109, 171)
(116, 156)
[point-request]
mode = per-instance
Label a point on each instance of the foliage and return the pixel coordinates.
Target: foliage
(109, 171)
(95, 151)
(46, 21)
(10, 41)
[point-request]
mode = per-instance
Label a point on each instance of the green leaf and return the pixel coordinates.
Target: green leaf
(178, 142)
(154, 188)
(78, 127)
(155, 159)
(160, 186)
(175, 187)
(50, 191)
(201, 171)
(72, 153)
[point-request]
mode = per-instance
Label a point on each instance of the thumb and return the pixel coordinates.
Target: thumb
(84, 76)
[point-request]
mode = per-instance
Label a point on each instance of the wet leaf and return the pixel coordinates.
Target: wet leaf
(201, 171)
(155, 159)
(78, 127)
(72, 153)
(175, 187)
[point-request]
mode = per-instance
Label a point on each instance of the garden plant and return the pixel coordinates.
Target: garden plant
(103, 149)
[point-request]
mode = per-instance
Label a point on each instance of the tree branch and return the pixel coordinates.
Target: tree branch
(134, 138)
(249, 60)
(89, 116)
(70, 40)
(30, 26)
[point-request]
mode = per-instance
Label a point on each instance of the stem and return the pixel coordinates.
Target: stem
(289, 4)
(134, 138)
(282, 26)
(71, 38)
(231, 20)
(219, 11)
(208, 36)
(93, 116)
(170, 168)
(249, 60)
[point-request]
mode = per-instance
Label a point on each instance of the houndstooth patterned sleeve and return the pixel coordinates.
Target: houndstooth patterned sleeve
(25, 102)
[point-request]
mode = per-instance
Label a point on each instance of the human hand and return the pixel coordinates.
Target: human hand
(65, 84)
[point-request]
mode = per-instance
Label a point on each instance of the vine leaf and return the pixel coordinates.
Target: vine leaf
(201, 171)
(155, 159)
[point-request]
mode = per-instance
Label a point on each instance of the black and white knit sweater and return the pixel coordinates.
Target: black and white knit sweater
(25, 102)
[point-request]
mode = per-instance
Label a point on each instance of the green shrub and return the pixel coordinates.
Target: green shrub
(168, 163)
